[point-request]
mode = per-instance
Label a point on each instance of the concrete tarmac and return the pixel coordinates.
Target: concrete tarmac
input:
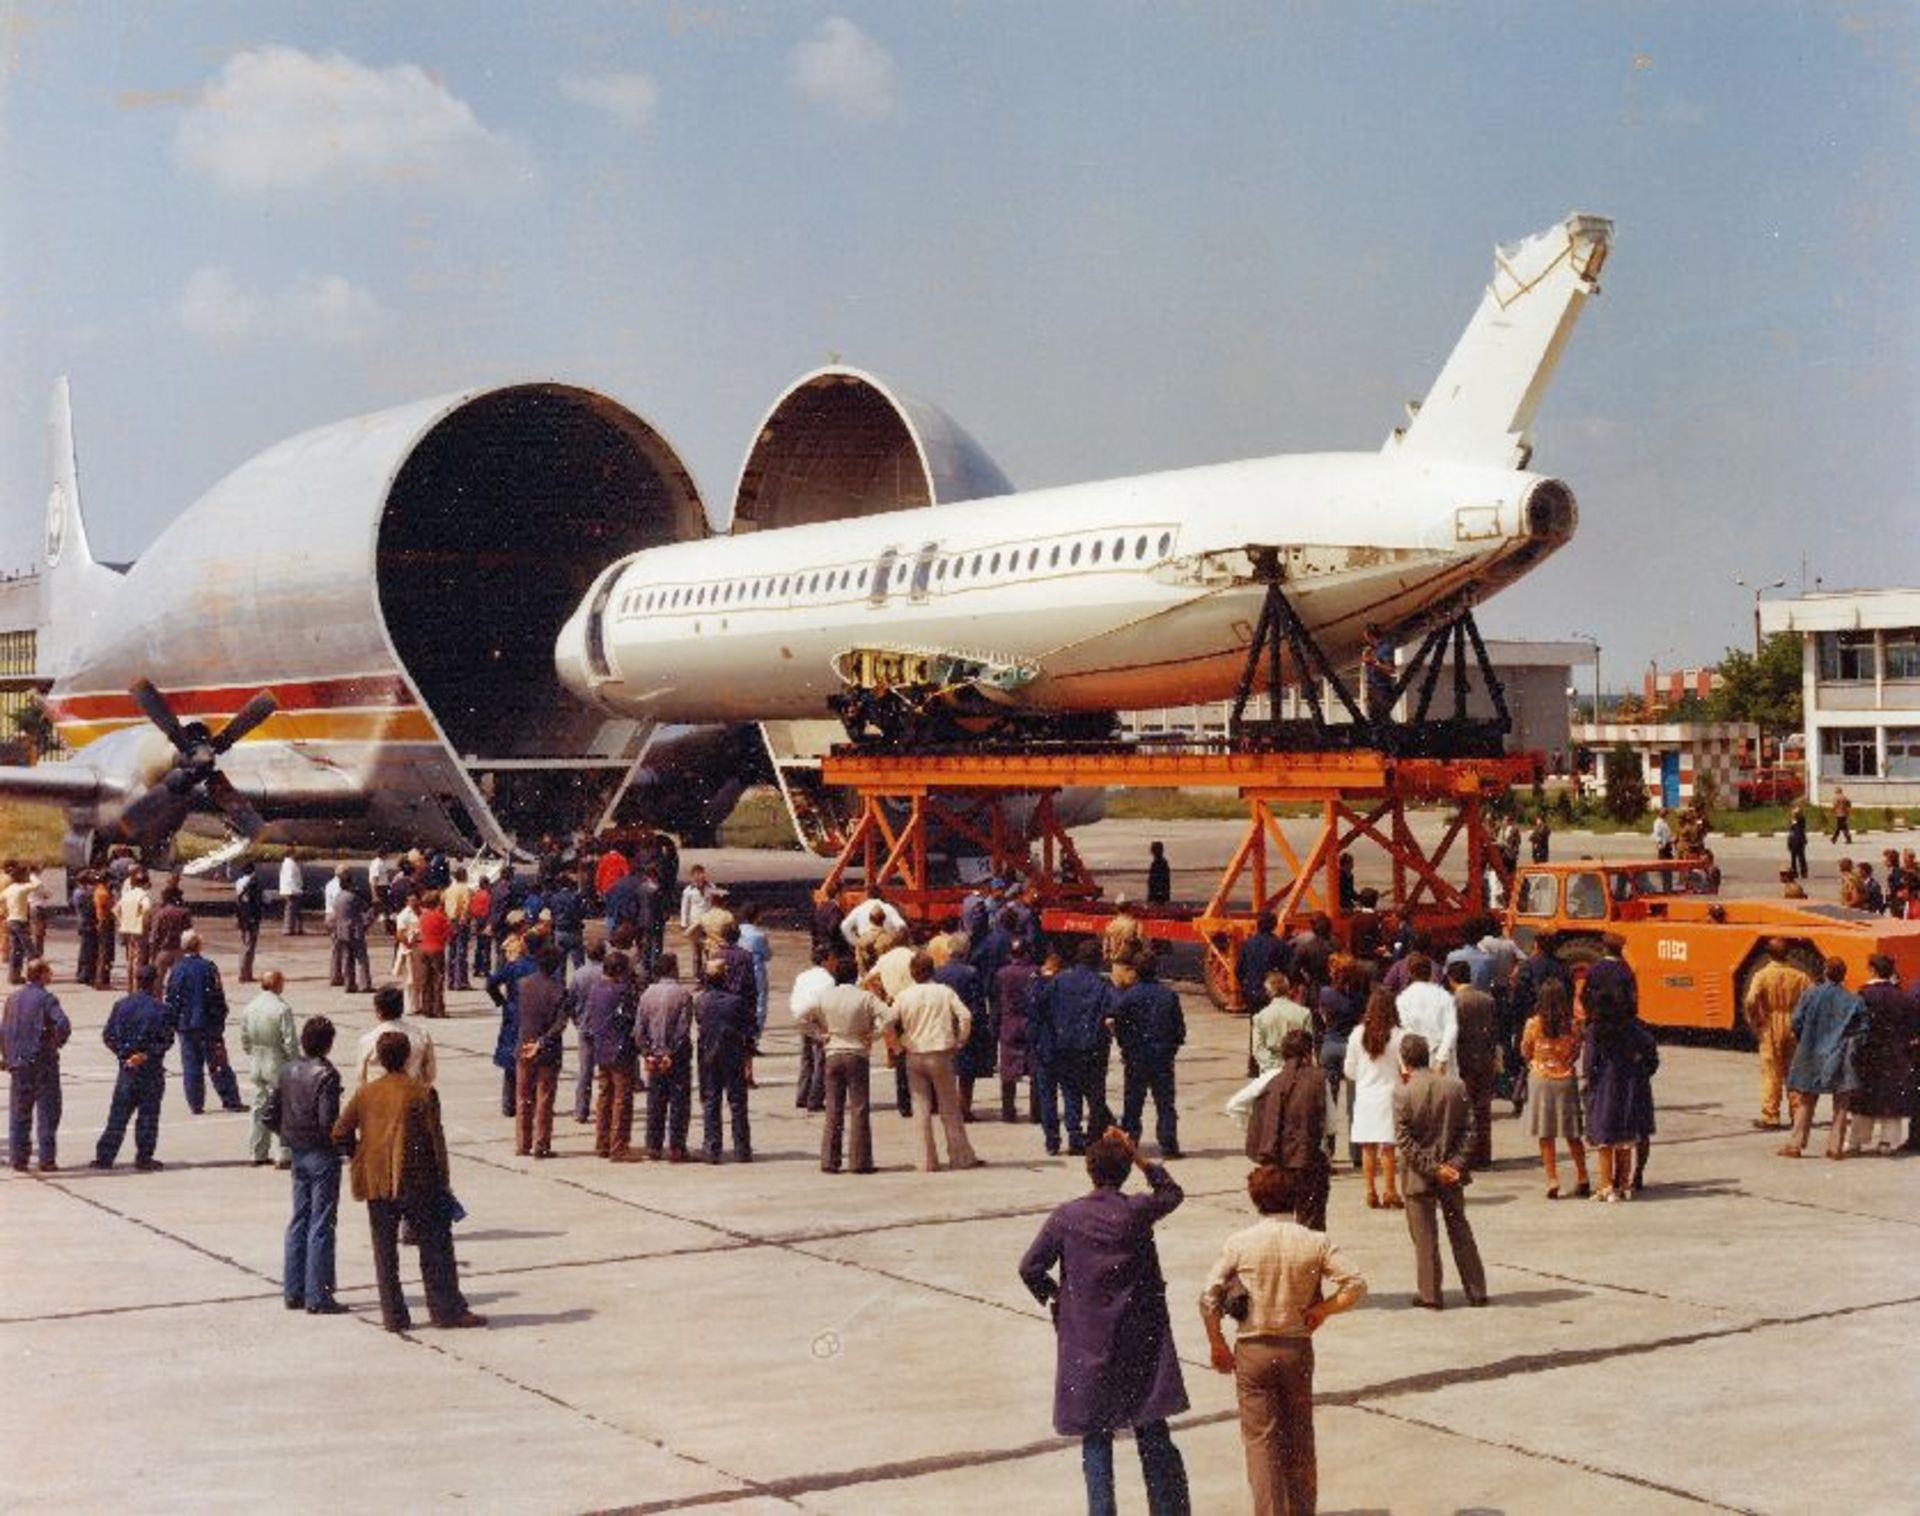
(770, 1338)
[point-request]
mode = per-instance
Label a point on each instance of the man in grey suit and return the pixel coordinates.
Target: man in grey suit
(1433, 1130)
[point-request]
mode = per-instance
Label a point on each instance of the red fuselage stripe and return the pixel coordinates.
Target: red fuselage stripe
(355, 692)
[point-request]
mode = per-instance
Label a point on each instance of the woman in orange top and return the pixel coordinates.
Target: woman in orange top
(1551, 1046)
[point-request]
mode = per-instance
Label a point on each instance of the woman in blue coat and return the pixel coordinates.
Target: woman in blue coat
(1829, 1020)
(1116, 1364)
(503, 988)
(1618, 1063)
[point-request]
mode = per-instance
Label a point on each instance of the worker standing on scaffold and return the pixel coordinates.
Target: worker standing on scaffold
(1376, 659)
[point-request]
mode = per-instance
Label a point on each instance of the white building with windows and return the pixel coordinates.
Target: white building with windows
(1861, 681)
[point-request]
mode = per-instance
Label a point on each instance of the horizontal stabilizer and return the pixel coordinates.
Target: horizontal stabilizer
(1481, 408)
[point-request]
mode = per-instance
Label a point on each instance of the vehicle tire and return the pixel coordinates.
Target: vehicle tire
(1801, 954)
(1218, 975)
(1578, 951)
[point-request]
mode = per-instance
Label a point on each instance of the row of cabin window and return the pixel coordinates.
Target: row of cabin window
(982, 563)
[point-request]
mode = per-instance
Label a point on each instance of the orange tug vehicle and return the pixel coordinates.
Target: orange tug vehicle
(1693, 951)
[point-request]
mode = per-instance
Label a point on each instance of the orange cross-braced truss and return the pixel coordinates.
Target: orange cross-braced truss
(930, 825)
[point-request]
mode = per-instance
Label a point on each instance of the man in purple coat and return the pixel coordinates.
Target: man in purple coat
(1116, 1365)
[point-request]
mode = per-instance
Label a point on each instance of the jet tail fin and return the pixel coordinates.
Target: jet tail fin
(74, 585)
(1481, 408)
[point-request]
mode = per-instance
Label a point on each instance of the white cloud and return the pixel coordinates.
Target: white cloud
(315, 310)
(843, 70)
(275, 118)
(630, 99)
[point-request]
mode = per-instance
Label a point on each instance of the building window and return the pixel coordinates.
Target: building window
(1845, 657)
(1073, 558)
(1903, 653)
(1166, 543)
(1903, 752)
(1053, 558)
(1848, 751)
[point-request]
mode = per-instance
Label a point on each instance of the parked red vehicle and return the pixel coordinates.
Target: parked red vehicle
(1778, 786)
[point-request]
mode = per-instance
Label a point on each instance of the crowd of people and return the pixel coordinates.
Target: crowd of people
(667, 986)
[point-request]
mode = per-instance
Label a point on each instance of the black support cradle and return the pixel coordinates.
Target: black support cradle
(1280, 629)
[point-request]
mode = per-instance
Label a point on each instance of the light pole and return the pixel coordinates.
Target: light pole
(1758, 591)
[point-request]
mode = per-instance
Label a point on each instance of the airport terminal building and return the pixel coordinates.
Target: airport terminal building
(1861, 690)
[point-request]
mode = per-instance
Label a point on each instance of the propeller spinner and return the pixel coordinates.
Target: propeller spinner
(161, 810)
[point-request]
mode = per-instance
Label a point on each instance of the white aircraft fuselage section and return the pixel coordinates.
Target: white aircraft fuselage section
(1132, 593)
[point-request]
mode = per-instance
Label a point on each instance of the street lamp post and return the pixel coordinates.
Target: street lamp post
(1758, 591)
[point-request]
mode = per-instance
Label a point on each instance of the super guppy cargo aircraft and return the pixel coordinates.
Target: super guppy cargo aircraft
(1099, 597)
(347, 642)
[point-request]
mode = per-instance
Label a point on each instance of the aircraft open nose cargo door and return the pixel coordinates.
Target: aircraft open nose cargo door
(495, 526)
(841, 444)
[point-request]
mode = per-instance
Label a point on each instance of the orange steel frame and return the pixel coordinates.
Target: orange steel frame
(915, 806)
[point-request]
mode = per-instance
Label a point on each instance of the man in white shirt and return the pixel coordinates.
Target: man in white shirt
(130, 922)
(292, 878)
(1427, 1008)
(388, 1007)
(336, 882)
(891, 973)
(695, 898)
(932, 1023)
(867, 920)
(22, 893)
(843, 1023)
(810, 1089)
(329, 903)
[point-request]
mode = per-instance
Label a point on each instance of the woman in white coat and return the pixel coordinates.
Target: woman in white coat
(1373, 1071)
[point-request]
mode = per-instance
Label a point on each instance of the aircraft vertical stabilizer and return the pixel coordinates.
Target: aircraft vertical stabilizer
(1481, 408)
(74, 585)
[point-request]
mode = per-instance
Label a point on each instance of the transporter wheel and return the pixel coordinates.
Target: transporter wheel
(1802, 954)
(1218, 973)
(1579, 952)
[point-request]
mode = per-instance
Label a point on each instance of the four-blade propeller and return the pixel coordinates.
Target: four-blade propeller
(159, 812)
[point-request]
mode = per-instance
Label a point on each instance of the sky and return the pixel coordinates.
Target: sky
(1107, 238)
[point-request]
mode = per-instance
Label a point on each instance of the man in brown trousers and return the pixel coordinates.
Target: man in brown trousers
(1433, 1130)
(1288, 1128)
(1279, 1272)
(392, 1125)
(543, 1019)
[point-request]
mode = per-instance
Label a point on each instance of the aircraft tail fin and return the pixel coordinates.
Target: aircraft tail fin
(74, 583)
(1481, 408)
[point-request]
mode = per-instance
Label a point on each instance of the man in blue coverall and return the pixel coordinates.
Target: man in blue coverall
(139, 1031)
(1150, 1028)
